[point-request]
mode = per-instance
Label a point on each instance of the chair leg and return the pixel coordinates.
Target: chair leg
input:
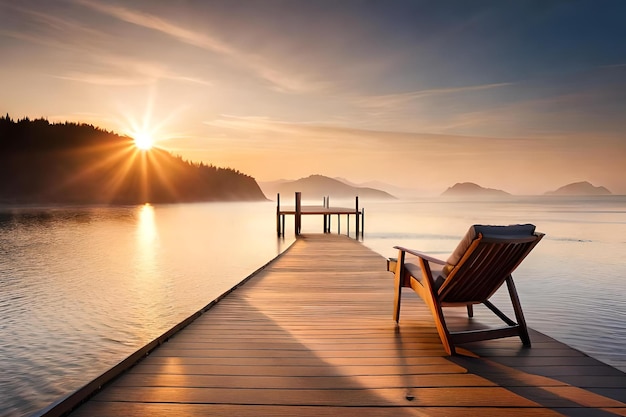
(398, 277)
(428, 294)
(470, 310)
(517, 308)
(442, 329)
(499, 313)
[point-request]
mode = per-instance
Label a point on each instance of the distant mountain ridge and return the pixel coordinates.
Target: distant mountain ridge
(580, 188)
(470, 189)
(319, 186)
(398, 192)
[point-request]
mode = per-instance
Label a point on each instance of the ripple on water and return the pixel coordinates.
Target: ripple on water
(81, 289)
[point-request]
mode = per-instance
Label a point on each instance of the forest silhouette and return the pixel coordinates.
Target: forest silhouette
(71, 163)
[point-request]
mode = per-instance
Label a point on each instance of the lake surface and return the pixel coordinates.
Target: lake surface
(572, 286)
(83, 288)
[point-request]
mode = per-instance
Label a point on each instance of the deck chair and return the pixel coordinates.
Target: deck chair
(481, 263)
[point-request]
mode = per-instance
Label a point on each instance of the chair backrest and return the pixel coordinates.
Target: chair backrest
(485, 265)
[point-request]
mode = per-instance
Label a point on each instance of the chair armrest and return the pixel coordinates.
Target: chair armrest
(421, 255)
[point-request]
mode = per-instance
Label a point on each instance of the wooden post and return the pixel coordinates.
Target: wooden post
(398, 278)
(328, 216)
(357, 217)
(362, 221)
(327, 205)
(278, 227)
(323, 215)
(298, 215)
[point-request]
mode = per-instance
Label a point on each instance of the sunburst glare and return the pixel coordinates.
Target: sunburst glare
(148, 130)
(143, 140)
(138, 168)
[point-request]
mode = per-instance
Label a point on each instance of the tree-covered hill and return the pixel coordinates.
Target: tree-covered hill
(69, 163)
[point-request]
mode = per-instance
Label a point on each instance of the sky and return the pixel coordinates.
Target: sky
(524, 96)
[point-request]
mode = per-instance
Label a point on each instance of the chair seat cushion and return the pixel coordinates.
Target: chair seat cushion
(485, 230)
(416, 272)
(514, 230)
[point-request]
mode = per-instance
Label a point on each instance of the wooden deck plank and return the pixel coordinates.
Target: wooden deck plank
(301, 371)
(292, 382)
(325, 347)
(312, 335)
(298, 361)
(419, 397)
(94, 409)
(266, 353)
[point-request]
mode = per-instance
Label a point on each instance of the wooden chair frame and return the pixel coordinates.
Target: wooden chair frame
(485, 266)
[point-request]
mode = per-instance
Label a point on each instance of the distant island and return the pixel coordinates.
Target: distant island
(580, 188)
(319, 186)
(469, 189)
(70, 163)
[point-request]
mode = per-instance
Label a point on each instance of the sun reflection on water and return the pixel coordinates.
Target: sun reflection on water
(149, 301)
(146, 227)
(147, 240)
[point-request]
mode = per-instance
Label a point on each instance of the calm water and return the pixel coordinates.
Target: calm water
(572, 286)
(82, 288)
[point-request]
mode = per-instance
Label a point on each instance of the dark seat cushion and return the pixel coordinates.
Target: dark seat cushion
(514, 230)
(416, 272)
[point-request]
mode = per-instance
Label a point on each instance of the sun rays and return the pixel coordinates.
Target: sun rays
(126, 173)
(131, 167)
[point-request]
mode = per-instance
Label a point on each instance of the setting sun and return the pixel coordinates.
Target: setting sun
(143, 141)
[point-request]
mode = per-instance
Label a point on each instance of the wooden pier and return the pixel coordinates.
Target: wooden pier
(312, 335)
(325, 210)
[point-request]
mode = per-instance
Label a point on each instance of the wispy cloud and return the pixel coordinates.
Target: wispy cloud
(116, 70)
(614, 66)
(99, 66)
(48, 30)
(264, 132)
(104, 80)
(556, 112)
(67, 28)
(151, 21)
(294, 131)
(395, 100)
(278, 77)
(249, 130)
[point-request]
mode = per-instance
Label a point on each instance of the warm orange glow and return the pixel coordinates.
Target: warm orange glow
(143, 140)
(125, 165)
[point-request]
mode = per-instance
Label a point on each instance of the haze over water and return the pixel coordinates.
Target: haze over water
(82, 288)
